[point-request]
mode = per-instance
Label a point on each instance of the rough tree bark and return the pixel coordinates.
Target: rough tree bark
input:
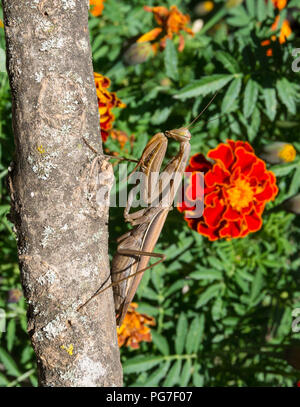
(61, 229)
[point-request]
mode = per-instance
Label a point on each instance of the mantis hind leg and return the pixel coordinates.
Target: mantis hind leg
(127, 252)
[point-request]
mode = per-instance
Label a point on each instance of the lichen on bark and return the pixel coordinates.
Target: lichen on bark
(54, 180)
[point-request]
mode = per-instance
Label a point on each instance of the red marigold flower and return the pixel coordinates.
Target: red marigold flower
(285, 30)
(134, 329)
(172, 22)
(97, 7)
(106, 102)
(280, 4)
(237, 187)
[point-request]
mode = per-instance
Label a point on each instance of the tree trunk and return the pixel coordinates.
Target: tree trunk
(61, 227)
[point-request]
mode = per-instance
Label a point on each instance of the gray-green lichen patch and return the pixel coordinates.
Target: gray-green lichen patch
(38, 76)
(43, 166)
(54, 328)
(68, 4)
(86, 372)
(83, 45)
(47, 278)
(97, 236)
(52, 43)
(47, 234)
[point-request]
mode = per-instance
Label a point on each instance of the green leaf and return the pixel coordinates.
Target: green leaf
(256, 286)
(155, 377)
(251, 7)
(161, 115)
(171, 60)
(295, 183)
(10, 334)
(160, 342)
(141, 363)
(204, 86)
(3, 380)
(216, 263)
(2, 60)
(175, 287)
(239, 17)
(198, 379)
(217, 309)
(181, 331)
(9, 364)
(173, 375)
(228, 61)
(208, 294)
(207, 274)
(286, 94)
(269, 95)
(261, 10)
(281, 170)
(229, 102)
(271, 8)
(186, 373)
(250, 97)
(255, 125)
(195, 334)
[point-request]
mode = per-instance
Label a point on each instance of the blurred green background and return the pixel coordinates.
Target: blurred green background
(223, 310)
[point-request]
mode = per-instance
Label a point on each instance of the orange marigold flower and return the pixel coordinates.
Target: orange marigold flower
(97, 7)
(106, 102)
(134, 329)
(236, 189)
(280, 4)
(1, 24)
(285, 30)
(172, 22)
(120, 136)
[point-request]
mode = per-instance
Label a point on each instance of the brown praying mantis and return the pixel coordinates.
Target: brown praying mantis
(136, 246)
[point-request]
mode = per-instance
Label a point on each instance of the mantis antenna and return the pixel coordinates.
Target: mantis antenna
(201, 113)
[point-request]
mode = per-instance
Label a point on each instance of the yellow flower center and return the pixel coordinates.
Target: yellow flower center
(240, 195)
(287, 153)
(208, 5)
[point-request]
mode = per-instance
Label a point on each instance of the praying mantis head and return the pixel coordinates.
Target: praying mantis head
(182, 134)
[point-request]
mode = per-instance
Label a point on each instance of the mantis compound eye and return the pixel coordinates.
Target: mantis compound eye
(181, 134)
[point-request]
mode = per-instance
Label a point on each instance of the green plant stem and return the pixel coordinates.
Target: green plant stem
(21, 378)
(217, 17)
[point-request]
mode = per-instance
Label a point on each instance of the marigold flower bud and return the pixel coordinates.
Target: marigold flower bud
(278, 152)
(197, 25)
(293, 204)
(138, 53)
(14, 295)
(204, 7)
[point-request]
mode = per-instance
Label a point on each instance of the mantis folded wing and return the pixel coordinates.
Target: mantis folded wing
(136, 247)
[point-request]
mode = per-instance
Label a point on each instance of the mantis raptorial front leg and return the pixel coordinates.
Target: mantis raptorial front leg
(125, 264)
(149, 165)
